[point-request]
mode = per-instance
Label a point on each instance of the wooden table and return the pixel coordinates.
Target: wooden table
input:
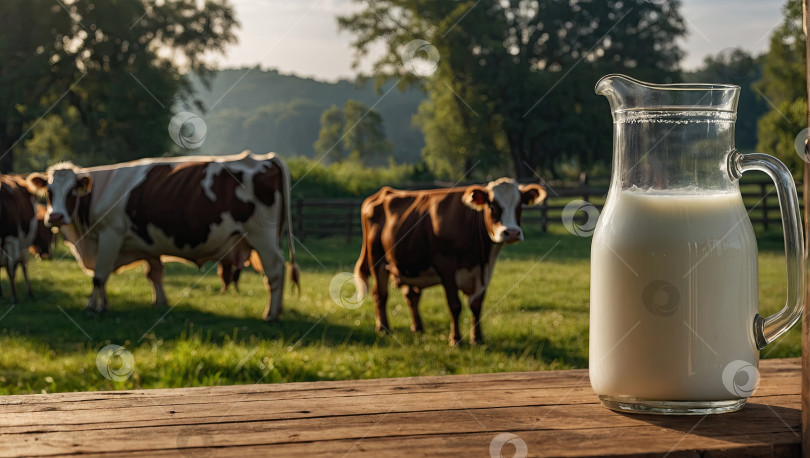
(553, 413)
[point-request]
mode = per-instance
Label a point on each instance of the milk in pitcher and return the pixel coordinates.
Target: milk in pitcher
(675, 274)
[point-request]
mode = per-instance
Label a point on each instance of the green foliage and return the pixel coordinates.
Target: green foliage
(329, 143)
(356, 132)
(113, 70)
(49, 142)
(783, 68)
(778, 130)
(783, 85)
(349, 178)
(237, 95)
(363, 135)
(33, 66)
(518, 76)
(455, 145)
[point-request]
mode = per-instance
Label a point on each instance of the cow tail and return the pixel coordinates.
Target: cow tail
(286, 213)
(362, 269)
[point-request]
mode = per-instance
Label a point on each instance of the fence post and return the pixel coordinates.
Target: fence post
(762, 187)
(299, 213)
(349, 220)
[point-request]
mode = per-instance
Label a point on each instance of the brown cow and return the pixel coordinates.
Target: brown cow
(44, 237)
(18, 223)
(450, 237)
(230, 267)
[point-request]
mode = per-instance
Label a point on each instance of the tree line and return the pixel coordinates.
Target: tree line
(98, 79)
(507, 84)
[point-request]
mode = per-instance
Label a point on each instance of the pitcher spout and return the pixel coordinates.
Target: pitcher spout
(626, 93)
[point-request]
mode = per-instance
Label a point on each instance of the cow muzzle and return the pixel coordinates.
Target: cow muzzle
(56, 220)
(511, 235)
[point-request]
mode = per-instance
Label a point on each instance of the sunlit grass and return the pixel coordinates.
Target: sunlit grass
(535, 318)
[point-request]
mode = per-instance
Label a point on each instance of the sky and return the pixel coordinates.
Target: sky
(301, 36)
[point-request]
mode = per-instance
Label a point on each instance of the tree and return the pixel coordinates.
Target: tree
(356, 132)
(364, 135)
(33, 72)
(517, 75)
(783, 87)
(329, 139)
(120, 66)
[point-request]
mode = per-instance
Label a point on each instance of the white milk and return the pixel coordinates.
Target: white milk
(697, 257)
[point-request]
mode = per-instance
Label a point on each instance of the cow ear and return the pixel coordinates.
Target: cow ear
(83, 184)
(476, 197)
(37, 182)
(532, 194)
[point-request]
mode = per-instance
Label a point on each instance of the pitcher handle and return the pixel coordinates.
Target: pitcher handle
(768, 329)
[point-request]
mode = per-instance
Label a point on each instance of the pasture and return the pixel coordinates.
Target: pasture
(535, 317)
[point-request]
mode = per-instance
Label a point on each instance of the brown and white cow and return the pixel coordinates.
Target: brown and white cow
(18, 225)
(193, 208)
(450, 237)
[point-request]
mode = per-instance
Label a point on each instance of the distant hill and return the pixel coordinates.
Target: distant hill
(263, 110)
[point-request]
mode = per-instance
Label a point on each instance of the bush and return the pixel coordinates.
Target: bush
(313, 179)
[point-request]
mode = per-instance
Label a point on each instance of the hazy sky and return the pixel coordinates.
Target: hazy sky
(301, 36)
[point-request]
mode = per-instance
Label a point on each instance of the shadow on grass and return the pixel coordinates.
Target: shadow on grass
(540, 349)
(136, 321)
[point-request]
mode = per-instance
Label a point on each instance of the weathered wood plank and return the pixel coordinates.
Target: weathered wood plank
(555, 413)
(779, 415)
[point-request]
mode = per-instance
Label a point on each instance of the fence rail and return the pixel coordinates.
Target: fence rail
(341, 217)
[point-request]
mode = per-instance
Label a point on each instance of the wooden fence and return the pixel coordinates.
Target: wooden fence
(341, 217)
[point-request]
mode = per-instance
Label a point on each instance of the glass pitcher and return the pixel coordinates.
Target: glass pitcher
(674, 325)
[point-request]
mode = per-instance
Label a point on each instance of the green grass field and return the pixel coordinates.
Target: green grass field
(535, 318)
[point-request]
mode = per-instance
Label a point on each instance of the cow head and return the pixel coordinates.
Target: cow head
(501, 203)
(64, 184)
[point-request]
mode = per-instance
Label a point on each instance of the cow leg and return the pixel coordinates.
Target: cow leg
(236, 273)
(154, 273)
(11, 268)
(476, 337)
(380, 294)
(412, 295)
(225, 275)
(27, 281)
(447, 273)
(454, 303)
(109, 243)
(272, 259)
